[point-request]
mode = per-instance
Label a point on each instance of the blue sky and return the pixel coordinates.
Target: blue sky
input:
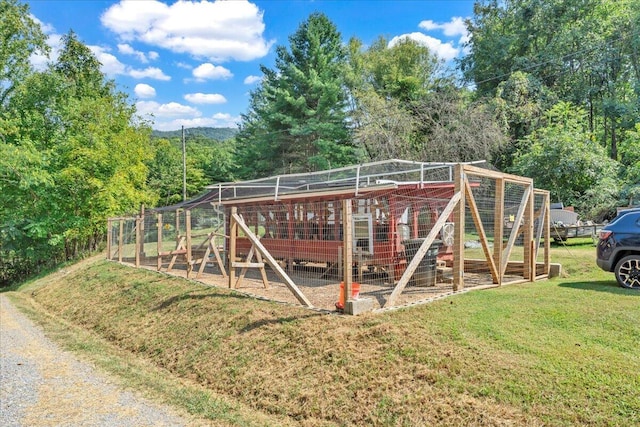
(193, 63)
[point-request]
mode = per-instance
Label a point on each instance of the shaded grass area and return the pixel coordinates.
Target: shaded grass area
(559, 352)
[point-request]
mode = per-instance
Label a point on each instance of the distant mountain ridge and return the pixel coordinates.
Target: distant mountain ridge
(219, 134)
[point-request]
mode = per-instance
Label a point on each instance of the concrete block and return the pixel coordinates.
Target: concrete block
(555, 270)
(358, 306)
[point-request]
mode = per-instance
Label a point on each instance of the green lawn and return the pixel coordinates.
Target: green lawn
(557, 352)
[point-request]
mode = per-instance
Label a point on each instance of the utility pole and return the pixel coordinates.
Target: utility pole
(184, 167)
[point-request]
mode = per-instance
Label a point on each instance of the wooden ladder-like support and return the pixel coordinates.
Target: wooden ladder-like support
(246, 265)
(211, 247)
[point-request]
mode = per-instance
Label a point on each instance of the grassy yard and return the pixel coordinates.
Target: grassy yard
(557, 352)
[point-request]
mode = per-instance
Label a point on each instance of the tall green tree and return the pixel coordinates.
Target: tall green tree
(297, 117)
(584, 52)
(564, 158)
(520, 104)
(72, 156)
(405, 106)
(20, 37)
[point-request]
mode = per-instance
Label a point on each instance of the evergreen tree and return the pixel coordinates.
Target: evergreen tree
(297, 117)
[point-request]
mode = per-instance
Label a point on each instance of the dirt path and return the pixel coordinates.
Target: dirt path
(41, 385)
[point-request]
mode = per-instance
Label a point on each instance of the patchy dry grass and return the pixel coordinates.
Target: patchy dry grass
(560, 352)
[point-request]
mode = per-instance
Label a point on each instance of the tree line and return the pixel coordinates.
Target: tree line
(560, 106)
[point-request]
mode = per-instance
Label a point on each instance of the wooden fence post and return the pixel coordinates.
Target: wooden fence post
(233, 235)
(347, 247)
(120, 240)
(138, 244)
(109, 234)
(187, 222)
(160, 224)
(498, 227)
(458, 230)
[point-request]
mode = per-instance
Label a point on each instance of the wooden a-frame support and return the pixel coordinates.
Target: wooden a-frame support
(237, 222)
(211, 247)
(413, 265)
(497, 260)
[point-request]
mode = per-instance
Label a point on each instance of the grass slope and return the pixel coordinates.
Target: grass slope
(558, 352)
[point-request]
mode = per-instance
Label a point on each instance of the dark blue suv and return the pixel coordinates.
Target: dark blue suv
(619, 248)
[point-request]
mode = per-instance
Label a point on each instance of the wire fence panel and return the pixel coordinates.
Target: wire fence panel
(402, 246)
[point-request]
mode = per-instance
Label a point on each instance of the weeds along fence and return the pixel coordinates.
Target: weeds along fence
(374, 236)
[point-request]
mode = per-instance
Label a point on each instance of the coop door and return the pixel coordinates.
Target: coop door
(363, 232)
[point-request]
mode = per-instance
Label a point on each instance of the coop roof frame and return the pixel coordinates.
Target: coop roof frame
(354, 179)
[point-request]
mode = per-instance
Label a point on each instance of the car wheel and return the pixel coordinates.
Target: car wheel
(628, 272)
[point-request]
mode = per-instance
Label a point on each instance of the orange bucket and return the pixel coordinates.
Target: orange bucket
(355, 293)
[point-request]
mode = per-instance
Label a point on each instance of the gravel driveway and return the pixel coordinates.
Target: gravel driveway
(42, 385)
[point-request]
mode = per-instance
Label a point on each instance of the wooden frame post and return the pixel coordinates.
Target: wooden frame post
(547, 234)
(187, 223)
(347, 250)
(160, 224)
(529, 251)
(233, 235)
(238, 222)
(139, 242)
(120, 240)
(498, 227)
(458, 230)
(109, 234)
(426, 244)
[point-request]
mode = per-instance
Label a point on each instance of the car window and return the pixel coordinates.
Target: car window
(624, 213)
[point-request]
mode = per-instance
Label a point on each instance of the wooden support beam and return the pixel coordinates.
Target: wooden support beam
(529, 253)
(212, 247)
(413, 265)
(481, 233)
(458, 231)
(187, 222)
(139, 242)
(486, 173)
(180, 250)
(142, 232)
(514, 230)
(233, 236)
(109, 235)
(347, 250)
(120, 240)
(160, 224)
(547, 235)
(498, 227)
(238, 223)
(540, 217)
(263, 272)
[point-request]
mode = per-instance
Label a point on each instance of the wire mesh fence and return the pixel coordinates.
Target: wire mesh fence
(407, 236)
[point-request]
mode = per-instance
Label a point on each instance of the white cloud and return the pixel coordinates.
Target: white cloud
(217, 120)
(144, 91)
(445, 51)
(169, 110)
(127, 49)
(44, 26)
(249, 80)
(111, 66)
(39, 60)
(218, 30)
(183, 65)
(205, 98)
(454, 28)
(149, 72)
(208, 71)
(226, 120)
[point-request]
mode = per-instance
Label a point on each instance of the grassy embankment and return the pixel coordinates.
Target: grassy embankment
(557, 352)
